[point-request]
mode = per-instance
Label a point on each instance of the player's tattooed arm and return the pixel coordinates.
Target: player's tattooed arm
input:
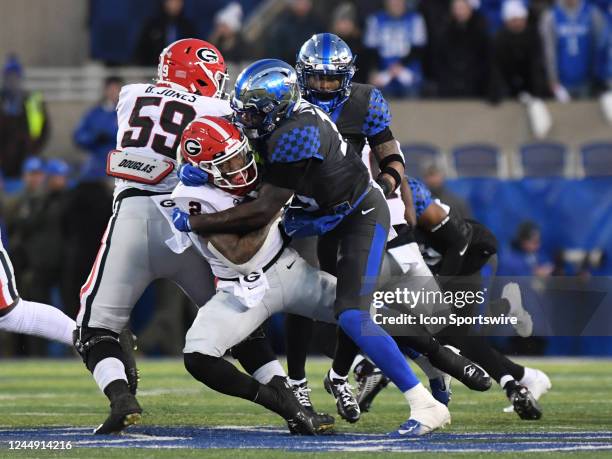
(244, 218)
(240, 249)
(410, 211)
(385, 150)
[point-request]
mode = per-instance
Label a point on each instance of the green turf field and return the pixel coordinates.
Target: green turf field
(39, 393)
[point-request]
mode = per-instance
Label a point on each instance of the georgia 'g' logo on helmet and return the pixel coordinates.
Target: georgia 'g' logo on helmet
(195, 65)
(207, 55)
(219, 148)
(192, 147)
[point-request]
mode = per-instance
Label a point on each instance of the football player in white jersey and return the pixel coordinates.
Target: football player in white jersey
(133, 253)
(257, 274)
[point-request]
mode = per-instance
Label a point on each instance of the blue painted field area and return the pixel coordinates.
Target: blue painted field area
(278, 439)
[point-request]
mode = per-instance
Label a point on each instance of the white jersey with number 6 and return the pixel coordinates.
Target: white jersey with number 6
(151, 120)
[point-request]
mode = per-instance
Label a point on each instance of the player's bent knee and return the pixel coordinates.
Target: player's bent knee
(201, 367)
(97, 344)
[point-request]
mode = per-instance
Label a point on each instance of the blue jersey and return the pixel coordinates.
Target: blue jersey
(394, 38)
(364, 115)
(576, 45)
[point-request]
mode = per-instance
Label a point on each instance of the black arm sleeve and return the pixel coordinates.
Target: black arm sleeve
(381, 137)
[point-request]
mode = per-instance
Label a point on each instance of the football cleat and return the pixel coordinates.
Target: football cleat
(461, 368)
(284, 403)
(347, 405)
(525, 405)
(424, 421)
(441, 388)
(537, 382)
(324, 423)
(524, 325)
(125, 411)
(370, 381)
(127, 340)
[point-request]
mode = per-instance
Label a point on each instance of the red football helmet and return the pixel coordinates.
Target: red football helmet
(220, 149)
(195, 65)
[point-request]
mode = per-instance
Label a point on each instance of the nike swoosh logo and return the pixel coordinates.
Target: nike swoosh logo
(289, 266)
(365, 212)
(251, 288)
(464, 249)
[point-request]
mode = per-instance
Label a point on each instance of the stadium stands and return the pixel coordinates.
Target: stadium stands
(544, 159)
(477, 160)
(420, 155)
(596, 159)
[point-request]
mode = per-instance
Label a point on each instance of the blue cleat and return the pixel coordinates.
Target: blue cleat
(424, 421)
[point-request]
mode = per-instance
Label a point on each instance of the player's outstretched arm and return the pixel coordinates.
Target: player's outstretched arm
(246, 217)
(240, 249)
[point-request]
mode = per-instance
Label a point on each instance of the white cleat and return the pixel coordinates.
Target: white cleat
(512, 293)
(424, 421)
(536, 381)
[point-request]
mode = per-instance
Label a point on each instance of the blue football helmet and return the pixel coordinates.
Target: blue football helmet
(265, 93)
(325, 68)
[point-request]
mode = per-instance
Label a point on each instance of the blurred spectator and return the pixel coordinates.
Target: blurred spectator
(434, 179)
(23, 232)
(571, 33)
(605, 57)
(46, 259)
(91, 199)
(399, 36)
(226, 35)
(97, 130)
(24, 124)
(462, 64)
(346, 26)
(291, 30)
(517, 56)
(436, 14)
(169, 25)
(523, 258)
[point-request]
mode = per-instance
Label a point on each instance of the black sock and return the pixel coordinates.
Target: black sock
(220, 375)
(116, 388)
(325, 338)
(516, 371)
(346, 351)
(254, 352)
(298, 331)
(423, 343)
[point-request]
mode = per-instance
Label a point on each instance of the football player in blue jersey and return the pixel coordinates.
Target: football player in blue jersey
(456, 250)
(325, 68)
(332, 196)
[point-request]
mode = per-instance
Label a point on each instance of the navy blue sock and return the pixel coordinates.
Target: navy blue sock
(379, 346)
(410, 353)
